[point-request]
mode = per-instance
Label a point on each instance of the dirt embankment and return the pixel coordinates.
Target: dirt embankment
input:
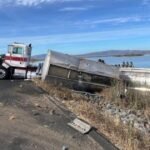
(92, 109)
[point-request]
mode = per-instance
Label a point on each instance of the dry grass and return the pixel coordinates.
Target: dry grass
(127, 137)
(133, 100)
(124, 137)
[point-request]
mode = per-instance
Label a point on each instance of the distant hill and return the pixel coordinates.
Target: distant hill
(38, 57)
(116, 53)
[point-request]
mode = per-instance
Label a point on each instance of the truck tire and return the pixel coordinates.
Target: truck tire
(3, 73)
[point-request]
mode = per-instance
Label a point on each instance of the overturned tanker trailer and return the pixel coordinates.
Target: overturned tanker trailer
(77, 73)
(136, 77)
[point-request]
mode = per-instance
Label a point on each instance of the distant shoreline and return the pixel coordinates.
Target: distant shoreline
(128, 55)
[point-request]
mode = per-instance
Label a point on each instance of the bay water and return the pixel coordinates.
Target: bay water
(138, 61)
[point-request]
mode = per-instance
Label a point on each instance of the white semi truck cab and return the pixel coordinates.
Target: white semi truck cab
(17, 58)
(18, 55)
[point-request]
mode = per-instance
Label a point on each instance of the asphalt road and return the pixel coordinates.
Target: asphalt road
(30, 120)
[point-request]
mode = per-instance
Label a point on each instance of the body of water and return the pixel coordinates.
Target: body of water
(138, 61)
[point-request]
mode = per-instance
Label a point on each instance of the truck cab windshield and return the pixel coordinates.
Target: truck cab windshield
(17, 50)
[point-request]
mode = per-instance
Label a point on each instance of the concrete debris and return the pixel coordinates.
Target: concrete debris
(108, 106)
(52, 112)
(93, 98)
(128, 117)
(46, 126)
(37, 105)
(80, 126)
(20, 85)
(12, 117)
(35, 113)
(1, 104)
(65, 148)
(117, 120)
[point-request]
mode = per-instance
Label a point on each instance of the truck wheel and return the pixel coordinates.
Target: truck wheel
(3, 73)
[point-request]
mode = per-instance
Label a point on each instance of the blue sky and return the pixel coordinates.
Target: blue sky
(75, 26)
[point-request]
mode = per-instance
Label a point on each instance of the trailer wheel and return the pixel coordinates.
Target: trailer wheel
(3, 73)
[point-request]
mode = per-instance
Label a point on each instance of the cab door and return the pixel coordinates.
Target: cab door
(18, 56)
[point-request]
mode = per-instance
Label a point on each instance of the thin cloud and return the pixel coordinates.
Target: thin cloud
(32, 2)
(118, 20)
(146, 2)
(74, 9)
(82, 37)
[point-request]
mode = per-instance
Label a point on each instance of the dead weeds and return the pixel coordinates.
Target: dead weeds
(130, 99)
(124, 137)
